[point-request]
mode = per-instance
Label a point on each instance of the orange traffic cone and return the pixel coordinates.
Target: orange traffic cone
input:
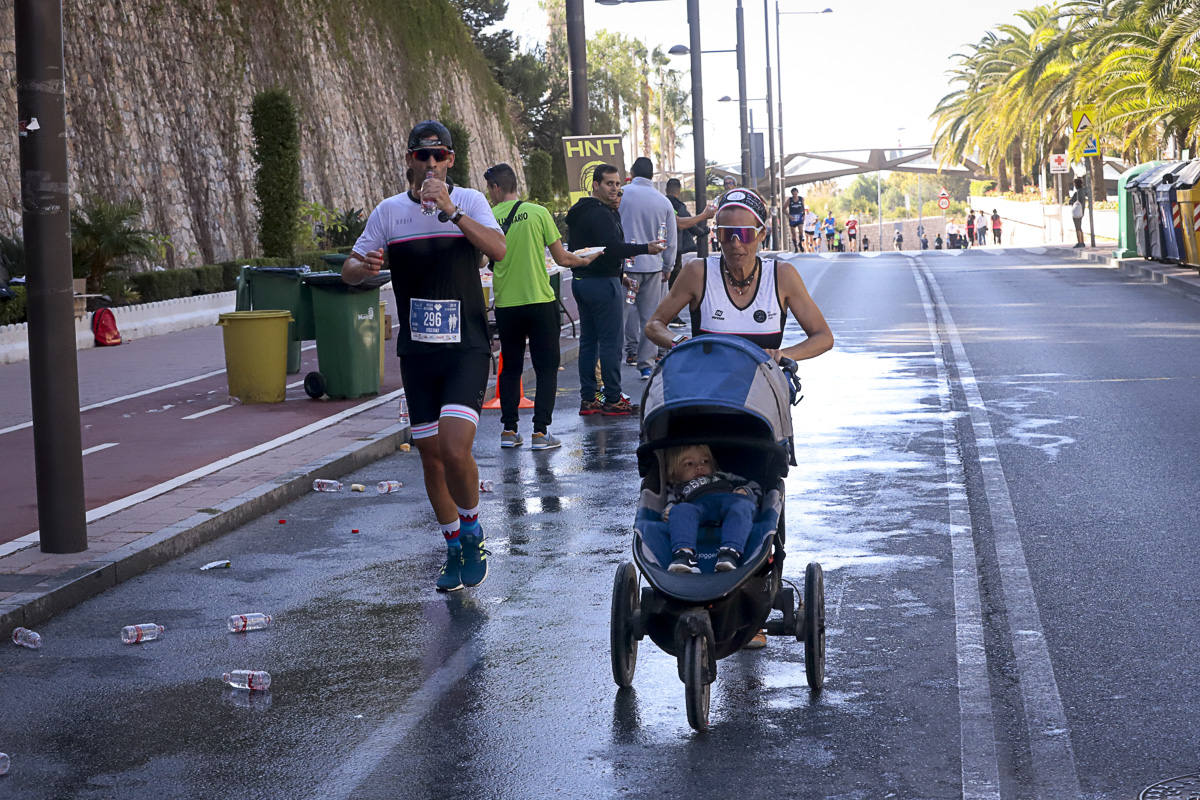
(495, 401)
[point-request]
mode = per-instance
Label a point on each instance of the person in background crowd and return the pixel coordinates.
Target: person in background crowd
(646, 216)
(852, 231)
(1077, 211)
(866, 244)
(937, 242)
(594, 222)
(898, 240)
(795, 212)
(526, 308)
(690, 229)
(830, 226)
(728, 182)
(995, 226)
(810, 230)
(980, 228)
(444, 357)
(971, 229)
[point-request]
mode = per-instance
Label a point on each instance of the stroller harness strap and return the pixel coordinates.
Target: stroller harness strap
(761, 322)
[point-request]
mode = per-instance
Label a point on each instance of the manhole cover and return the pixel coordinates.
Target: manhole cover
(1185, 787)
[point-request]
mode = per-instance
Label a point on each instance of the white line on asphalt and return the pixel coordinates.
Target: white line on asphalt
(365, 758)
(977, 729)
(1054, 771)
(208, 411)
(294, 385)
(166, 486)
(142, 393)
(100, 447)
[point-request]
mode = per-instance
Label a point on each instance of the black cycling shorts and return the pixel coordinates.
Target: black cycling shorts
(450, 383)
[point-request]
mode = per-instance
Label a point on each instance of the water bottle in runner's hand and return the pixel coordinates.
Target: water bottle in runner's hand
(428, 207)
(662, 232)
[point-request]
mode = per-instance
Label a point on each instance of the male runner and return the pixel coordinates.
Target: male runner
(852, 231)
(795, 212)
(432, 235)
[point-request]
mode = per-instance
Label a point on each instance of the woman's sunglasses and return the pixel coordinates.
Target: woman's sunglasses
(745, 235)
(426, 153)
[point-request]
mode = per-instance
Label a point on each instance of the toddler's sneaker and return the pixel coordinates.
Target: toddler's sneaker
(510, 439)
(544, 441)
(727, 559)
(684, 561)
(451, 578)
(474, 558)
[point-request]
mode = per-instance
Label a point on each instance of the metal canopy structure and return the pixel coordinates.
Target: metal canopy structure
(823, 165)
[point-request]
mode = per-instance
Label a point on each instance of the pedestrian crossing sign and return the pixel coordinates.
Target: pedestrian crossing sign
(1091, 149)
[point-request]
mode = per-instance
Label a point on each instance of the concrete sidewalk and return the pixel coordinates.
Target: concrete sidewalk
(35, 585)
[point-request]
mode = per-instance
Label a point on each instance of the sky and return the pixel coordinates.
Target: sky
(866, 75)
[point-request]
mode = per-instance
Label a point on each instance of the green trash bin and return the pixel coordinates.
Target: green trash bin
(348, 336)
(283, 289)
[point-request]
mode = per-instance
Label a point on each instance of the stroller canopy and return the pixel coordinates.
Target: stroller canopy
(717, 374)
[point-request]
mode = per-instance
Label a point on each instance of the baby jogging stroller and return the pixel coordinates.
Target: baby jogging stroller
(728, 394)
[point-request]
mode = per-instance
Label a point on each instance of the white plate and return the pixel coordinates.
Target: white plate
(587, 251)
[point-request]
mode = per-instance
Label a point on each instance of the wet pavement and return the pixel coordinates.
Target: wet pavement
(383, 688)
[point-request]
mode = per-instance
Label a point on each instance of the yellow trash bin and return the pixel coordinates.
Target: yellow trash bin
(1189, 200)
(256, 344)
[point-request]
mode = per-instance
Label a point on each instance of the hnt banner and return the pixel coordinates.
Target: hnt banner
(584, 154)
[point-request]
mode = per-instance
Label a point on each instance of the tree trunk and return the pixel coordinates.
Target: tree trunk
(645, 115)
(1096, 170)
(1018, 175)
(1002, 176)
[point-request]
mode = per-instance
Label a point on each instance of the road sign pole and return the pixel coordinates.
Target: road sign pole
(1091, 203)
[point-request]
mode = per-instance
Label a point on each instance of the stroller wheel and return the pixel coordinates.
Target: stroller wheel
(696, 688)
(623, 639)
(814, 626)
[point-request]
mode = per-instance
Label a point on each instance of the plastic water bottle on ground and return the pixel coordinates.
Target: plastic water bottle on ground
(387, 487)
(404, 410)
(326, 485)
(487, 486)
(4, 763)
(132, 634)
(26, 638)
(428, 207)
(253, 679)
(240, 623)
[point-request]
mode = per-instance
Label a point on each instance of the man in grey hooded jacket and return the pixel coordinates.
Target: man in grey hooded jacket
(646, 215)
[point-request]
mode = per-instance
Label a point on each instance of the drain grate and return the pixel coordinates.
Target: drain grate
(1185, 787)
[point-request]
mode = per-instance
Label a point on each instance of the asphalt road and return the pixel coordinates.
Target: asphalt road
(997, 471)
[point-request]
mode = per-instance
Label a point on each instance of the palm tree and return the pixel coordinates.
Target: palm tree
(101, 233)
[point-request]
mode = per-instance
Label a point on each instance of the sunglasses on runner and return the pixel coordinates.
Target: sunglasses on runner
(426, 153)
(744, 234)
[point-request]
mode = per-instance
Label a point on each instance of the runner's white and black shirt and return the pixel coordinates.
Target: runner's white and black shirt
(435, 272)
(760, 322)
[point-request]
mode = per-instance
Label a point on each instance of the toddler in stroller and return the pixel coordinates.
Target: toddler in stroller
(723, 396)
(698, 493)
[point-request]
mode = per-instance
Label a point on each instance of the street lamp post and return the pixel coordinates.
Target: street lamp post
(775, 204)
(779, 93)
(742, 110)
(577, 68)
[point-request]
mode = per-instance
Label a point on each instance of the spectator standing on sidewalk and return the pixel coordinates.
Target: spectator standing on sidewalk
(690, 228)
(995, 226)
(1077, 211)
(445, 356)
(646, 216)
(971, 229)
(526, 308)
(594, 222)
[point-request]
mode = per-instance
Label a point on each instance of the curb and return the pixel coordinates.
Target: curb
(1180, 280)
(60, 592)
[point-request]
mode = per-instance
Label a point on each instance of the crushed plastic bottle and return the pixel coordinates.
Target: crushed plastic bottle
(240, 623)
(4, 762)
(429, 207)
(357, 487)
(487, 486)
(404, 410)
(132, 634)
(326, 485)
(224, 563)
(26, 638)
(253, 679)
(387, 487)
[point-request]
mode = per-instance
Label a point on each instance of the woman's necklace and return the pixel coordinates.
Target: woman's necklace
(739, 286)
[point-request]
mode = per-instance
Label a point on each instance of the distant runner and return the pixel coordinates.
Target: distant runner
(795, 211)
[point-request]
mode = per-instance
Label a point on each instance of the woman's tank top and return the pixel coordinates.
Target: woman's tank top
(760, 322)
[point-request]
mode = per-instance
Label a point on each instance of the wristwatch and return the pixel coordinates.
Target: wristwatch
(457, 215)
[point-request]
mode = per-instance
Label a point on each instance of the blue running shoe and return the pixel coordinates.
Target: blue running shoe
(451, 578)
(474, 558)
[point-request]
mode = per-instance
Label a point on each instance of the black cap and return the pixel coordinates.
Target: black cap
(429, 133)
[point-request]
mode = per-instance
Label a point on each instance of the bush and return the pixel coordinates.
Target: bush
(12, 255)
(12, 310)
(102, 232)
(460, 173)
(539, 174)
(277, 178)
(980, 188)
(209, 279)
(165, 284)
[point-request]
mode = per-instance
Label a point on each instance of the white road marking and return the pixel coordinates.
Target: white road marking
(977, 737)
(294, 385)
(1054, 771)
(154, 491)
(100, 447)
(208, 411)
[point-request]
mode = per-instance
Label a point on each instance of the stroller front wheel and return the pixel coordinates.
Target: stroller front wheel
(697, 687)
(623, 639)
